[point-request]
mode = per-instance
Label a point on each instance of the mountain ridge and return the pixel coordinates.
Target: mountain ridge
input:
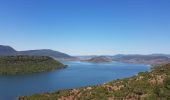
(9, 51)
(143, 59)
(44, 52)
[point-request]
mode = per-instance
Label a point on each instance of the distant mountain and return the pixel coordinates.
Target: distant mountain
(122, 55)
(151, 59)
(44, 52)
(143, 59)
(7, 51)
(99, 59)
(118, 56)
(167, 55)
(86, 57)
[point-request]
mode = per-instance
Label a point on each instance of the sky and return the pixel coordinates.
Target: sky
(87, 27)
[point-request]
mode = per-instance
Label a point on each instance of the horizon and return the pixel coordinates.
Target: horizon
(89, 54)
(87, 27)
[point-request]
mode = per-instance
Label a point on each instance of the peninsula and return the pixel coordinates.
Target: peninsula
(13, 65)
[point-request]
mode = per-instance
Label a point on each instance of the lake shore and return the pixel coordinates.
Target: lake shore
(146, 85)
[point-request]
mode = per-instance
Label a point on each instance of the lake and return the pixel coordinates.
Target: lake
(77, 74)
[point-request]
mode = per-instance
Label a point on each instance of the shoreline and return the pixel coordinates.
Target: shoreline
(144, 81)
(68, 89)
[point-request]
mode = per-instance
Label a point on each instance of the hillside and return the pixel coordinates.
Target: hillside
(142, 59)
(7, 51)
(167, 55)
(13, 65)
(100, 59)
(44, 52)
(152, 59)
(154, 85)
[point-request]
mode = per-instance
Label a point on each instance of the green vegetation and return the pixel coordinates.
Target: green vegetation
(13, 65)
(154, 85)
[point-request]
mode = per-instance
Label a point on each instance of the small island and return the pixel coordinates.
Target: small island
(100, 59)
(14, 65)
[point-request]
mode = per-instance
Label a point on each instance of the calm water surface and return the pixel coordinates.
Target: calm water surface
(77, 74)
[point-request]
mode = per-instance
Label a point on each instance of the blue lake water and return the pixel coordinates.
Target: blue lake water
(77, 74)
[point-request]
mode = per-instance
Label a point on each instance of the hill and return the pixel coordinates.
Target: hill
(7, 51)
(99, 59)
(44, 52)
(13, 65)
(152, 59)
(142, 59)
(167, 55)
(154, 85)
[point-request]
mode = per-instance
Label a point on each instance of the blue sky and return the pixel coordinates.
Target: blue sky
(87, 27)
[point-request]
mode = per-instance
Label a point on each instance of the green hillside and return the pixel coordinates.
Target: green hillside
(154, 85)
(13, 65)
